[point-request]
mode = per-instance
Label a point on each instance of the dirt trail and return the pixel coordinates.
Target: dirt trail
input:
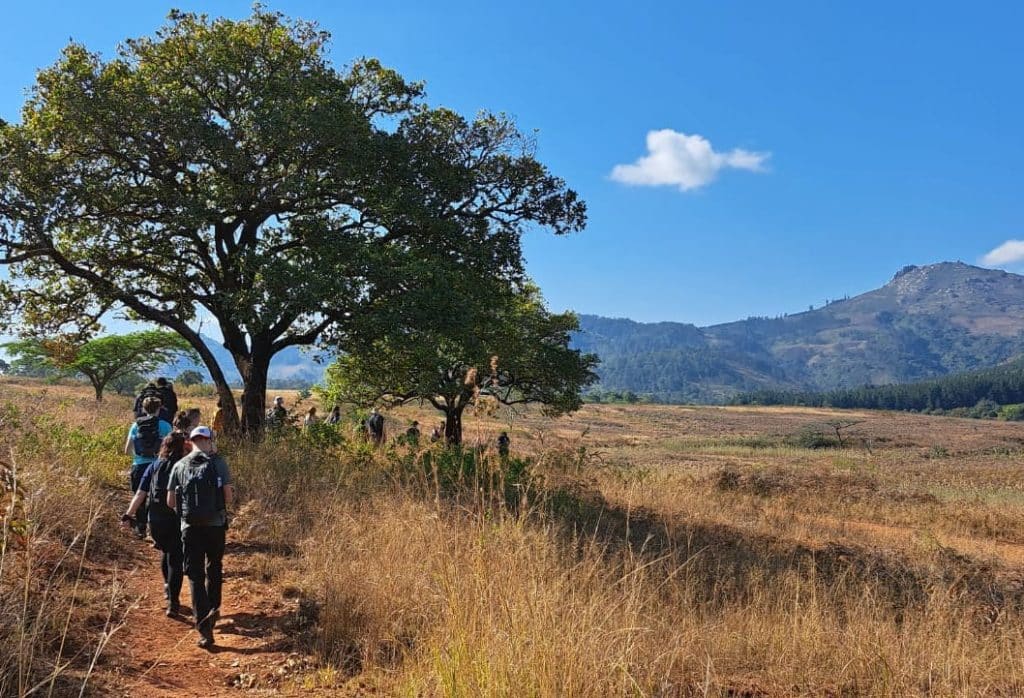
(153, 655)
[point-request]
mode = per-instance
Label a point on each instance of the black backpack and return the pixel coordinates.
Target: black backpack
(158, 488)
(201, 495)
(147, 436)
(148, 391)
(376, 424)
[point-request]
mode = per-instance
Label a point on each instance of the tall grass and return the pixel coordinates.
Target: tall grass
(58, 610)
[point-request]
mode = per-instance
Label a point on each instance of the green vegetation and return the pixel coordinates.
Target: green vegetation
(500, 346)
(113, 359)
(226, 166)
(926, 322)
(989, 393)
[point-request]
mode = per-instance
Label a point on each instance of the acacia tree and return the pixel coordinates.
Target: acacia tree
(225, 168)
(105, 359)
(504, 345)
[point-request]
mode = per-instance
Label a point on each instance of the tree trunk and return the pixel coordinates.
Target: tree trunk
(254, 393)
(98, 387)
(453, 426)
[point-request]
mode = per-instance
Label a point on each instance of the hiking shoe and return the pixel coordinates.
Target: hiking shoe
(173, 609)
(206, 641)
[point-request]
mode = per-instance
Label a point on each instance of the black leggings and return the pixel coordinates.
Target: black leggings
(167, 536)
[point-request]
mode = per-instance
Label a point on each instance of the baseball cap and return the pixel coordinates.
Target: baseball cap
(202, 432)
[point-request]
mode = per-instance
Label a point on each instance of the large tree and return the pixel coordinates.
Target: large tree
(225, 169)
(501, 343)
(104, 360)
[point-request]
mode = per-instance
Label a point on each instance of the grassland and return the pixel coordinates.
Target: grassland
(633, 550)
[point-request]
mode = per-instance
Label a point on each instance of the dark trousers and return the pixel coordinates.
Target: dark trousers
(143, 513)
(204, 550)
(167, 535)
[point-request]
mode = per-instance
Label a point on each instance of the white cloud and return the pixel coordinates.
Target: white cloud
(1010, 252)
(685, 161)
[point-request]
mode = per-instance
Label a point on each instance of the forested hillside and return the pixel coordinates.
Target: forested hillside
(985, 390)
(926, 322)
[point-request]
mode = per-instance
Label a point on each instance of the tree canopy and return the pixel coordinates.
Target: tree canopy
(104, 359)
(227, 168)
(501, 343)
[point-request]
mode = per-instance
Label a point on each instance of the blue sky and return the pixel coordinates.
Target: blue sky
(804, 150)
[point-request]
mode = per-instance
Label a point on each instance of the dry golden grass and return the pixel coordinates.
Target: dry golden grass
(659, 551)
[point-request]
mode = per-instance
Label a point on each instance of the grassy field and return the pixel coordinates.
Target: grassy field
(624, 550)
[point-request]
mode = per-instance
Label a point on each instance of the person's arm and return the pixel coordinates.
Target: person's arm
(229, 496)
(129, 445)
(133, 507)
(172, 499)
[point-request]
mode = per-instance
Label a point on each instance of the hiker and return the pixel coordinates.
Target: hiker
(436, 433)
(167, 397)
(182, 424)
(151, 390)
(218, 418)
(164, 525)
(412, 434)
(277, 415)
(311, 418)
(334, 418)
(194, 417)
(200, 490)
(375, 427)
(503, 444)
(143, 445)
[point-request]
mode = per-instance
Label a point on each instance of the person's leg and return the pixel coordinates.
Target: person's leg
(214, 565)
(167, 535)
(195, 569)
(175, 562)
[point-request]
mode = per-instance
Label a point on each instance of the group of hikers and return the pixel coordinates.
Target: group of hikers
(182, 490)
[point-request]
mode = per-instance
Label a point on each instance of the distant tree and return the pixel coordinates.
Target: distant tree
(226, 167)
(127, 383)
(4, 367)
(189, 377)
(104, 359)
(505, 345)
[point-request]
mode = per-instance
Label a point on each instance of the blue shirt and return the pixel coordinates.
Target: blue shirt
(164, 429)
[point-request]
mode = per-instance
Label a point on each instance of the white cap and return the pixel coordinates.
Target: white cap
(203, 432)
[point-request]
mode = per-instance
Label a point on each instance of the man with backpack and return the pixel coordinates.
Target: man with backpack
(143, 445)
(200, 490)
(151, 390)
(167, 396)
(375, 427)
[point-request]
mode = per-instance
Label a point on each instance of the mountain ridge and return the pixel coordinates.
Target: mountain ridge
(926, 321)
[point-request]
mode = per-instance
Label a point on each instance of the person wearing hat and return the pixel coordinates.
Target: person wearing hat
(200, 490)
(277, 415)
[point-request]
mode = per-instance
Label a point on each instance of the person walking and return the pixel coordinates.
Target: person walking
(151, 390)
(143, 445)
(168, 397)
(412, 434)
(334, 418)
(218, 418)
(277, 415)
(375, 427)
(503, 444)
(164, 524)
(182, 424)
(311, 418)
(201, 491)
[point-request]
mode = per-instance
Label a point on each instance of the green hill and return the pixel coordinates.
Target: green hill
(926, 322)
